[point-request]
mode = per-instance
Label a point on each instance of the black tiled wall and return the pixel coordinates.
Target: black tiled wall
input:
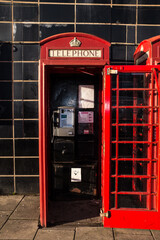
(23, 24)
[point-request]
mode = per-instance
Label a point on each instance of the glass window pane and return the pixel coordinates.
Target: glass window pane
(132, 201)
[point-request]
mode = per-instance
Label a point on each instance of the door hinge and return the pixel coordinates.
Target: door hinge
(102, 214)
(111, 71)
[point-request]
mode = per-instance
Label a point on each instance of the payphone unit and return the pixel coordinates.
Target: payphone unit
(64, 122)
(63, 132)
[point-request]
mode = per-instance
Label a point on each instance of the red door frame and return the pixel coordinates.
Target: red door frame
(126, 218)
(61, 41)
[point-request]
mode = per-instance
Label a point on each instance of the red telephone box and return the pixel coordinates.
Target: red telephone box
(131, 147)
(127, 140)
(75, 61)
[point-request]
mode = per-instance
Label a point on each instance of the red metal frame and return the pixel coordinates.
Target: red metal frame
(60, 41)
(148, 217)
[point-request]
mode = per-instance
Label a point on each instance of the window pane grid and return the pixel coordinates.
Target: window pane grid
(134, 143)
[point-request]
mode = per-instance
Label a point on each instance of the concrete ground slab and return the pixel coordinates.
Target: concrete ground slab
(90, 233)
(131, 231)
(133, 237)
(27, 209)
(56, 234)
(156, 234)
(19, 230)
(9, 203)
(3, 217)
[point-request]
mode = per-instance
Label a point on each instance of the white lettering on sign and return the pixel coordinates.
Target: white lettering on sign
(79, 53)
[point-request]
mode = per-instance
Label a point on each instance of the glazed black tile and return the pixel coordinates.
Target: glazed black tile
(25, 1)
(148, 2)
(5, 110)
(27, 166)
(27, 185)
(30, 109)
(130, 52)
(26, 32)
(6, 147)
(30, 71)
(7, 185)
(18, 129)
(130, 34)
(118, 33)
(30, 90)
(5, 91)
(97, 30)
(31, 52)
(6, 166)
(56, 13)
(31, 128)
(118, 53)
(25, 12)
(25, 71)
(144, 32)
(26, 52)
(6, 71)
(25, 128)
(124, 1)
(93, 13)
(5, 12)
(18, 109)
(5, 52)
(18, 90)
(61, 1)
(26, 147)
(148, 15)
(94, 1)
(125, 14)
(47, 30)
(6, 129)
(5, 31)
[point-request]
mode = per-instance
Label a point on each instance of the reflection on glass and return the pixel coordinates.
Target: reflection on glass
(86, 96)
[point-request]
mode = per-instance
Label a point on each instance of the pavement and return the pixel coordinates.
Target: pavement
(19, 218)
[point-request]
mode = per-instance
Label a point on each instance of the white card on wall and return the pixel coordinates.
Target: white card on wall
(76, 175)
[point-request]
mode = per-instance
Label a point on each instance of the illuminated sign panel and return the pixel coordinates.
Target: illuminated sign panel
(75, 53)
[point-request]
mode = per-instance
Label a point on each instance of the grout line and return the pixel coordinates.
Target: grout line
(19, 157)
(152, 234)
(113, 234)
(12, 212)
(75, 231)
(36, 232)
(75, 16)
(26, 176)
(14, 164)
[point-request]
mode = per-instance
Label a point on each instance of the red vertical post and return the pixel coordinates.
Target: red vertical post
(107, 142)
(42, 148)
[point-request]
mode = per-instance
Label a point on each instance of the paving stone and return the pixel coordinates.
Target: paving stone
(156, 234)
(3, 217)
(56, 234)
(131, 231)
(27, 209)
(133, 237)
(19, 230)
(8, 203)
(90, 233)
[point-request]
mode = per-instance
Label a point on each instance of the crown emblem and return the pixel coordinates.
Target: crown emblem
(75, 42)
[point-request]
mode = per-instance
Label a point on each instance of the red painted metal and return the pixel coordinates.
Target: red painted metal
(60, 41)
(147, 214)
(148, 52)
